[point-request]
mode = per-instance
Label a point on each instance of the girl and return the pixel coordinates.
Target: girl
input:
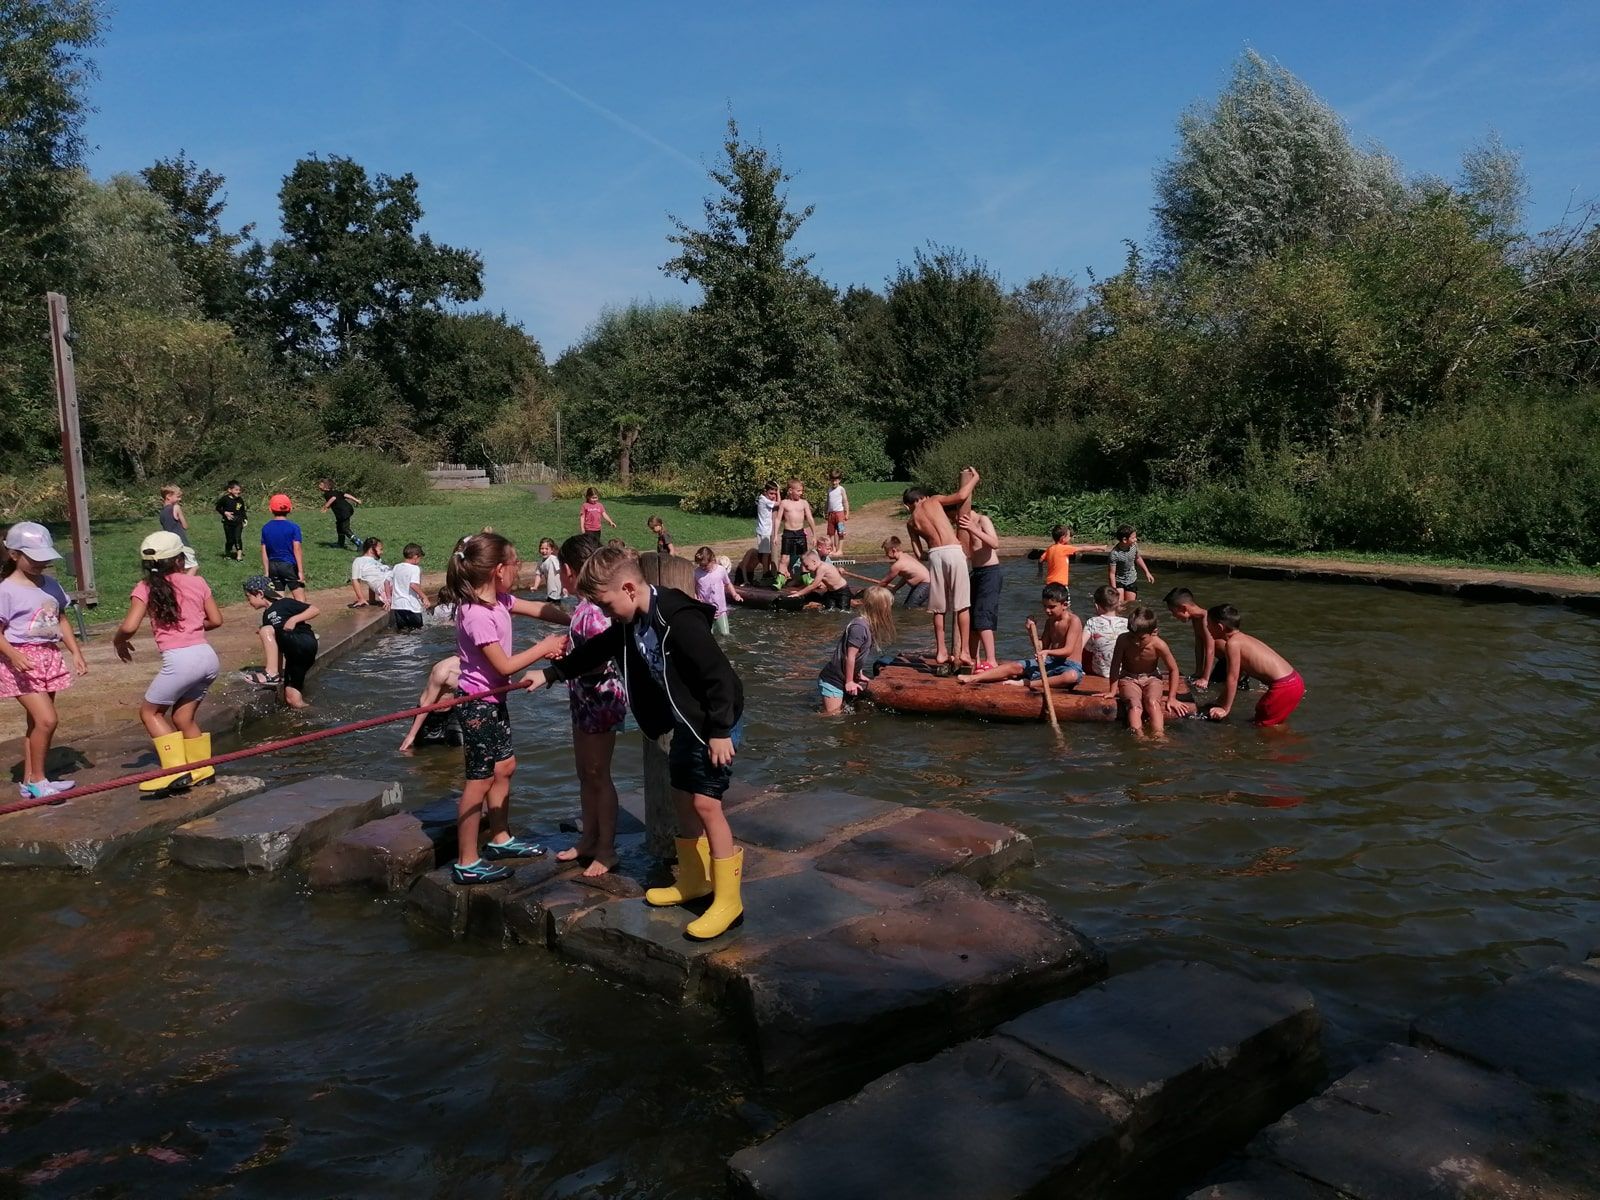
(870, 631)
(287, 639)
(30, 615)
(713, 587)
(550, 578)
(599, 704)
(478, 582)
(592, 513)
(182, 609)
(663, 538)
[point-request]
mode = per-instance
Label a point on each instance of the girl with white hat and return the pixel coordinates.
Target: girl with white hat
(33, 670)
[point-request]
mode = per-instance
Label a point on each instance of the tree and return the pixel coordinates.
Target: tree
(210, 256)
(1039, 323)
(1268, 165)
(1495, 185)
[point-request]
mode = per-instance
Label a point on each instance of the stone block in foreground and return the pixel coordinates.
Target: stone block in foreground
(270, 830)
(387, 854)
(927, 844)
(478, 910)
(999, 1119)
(794, 822)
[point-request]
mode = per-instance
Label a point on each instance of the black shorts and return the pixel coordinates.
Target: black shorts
(283, 576)
(689, 766)
(298, 649)
(986, 583)
(440, 729)
(485, 735)
(837, 599)
(405, 620)
(1131, 587)
(915, 596)
(794, 542)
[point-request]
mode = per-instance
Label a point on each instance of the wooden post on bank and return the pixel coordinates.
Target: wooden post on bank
(660, 817)
(72, 449)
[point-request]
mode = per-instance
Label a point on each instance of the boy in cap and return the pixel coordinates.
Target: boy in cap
(282, 558)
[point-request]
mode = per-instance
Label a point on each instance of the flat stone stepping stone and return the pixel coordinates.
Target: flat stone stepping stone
(478, 910)
(793, 822)
(270, 830)
(1417, 1124)
(927, 844)
(388, 854)
(1011, 1116)
(1266, 1183)
(1543, 1027)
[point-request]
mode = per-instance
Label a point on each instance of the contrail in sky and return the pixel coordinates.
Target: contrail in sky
(615, 118)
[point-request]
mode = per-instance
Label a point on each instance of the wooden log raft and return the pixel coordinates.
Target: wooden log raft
(753, 596)
(914, 688)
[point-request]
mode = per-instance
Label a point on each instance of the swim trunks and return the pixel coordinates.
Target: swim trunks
(986, 583)
(1282, 698)
(1053, 667)
(915, 596)
(794, 542)
(949, 588)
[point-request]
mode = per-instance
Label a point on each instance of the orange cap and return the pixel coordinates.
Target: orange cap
(280, 503)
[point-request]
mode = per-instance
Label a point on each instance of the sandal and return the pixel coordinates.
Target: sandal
(261, 679)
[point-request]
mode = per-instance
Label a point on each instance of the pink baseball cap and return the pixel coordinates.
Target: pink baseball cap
(33, 540)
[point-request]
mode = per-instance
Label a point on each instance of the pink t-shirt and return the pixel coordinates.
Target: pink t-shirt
(191, 627)
(711, 587)
(589, 516)
(477, 625)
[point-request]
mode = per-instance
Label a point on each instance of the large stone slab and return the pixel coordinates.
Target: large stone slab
(830, 1011)
(388, 854)
(1261, 1181)
(270, 830)
(540, 916)
(927, 844)
(1417, 1124)
(793, 822)
(478, 910)
(84, 835)
(1543, 1027)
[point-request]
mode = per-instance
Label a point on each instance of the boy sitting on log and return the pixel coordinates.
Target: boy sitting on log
(1062, 640)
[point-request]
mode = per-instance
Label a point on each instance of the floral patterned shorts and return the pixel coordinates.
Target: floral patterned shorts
(485, 734)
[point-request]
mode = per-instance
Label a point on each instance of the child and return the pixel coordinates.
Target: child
(230, 507)
(838, 508)
(766, 505)
(1124, 562)
(343, 505)
(868, 633)
(1209, 670)
(1135, 665)
(287, 639)
(31, 604)
(599, 704)
(1062, 642)
(1245, 655)
(949, 589)
(984, 580)
(1056, 561)
(369, 578)
(663, 539)
(591, 512)
(443, 726)
(678, 681)
(827, 580)
(797, 526)
(404, 593)
(174, 521)
(549, 576)
(712, 586)
(182, 609)
(1101, 631)
(749, 568)
(282, 556)
(478, 581)
(905, 569)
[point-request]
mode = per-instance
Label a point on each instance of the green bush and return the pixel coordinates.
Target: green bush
(1018, 462)
(730, 482)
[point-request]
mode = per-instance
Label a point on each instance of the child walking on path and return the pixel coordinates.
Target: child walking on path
(679, 682)
(31, 604)
(478, 582)
(283, 561)
(1244, 655)
(287, 639)
(591, 512)
(182, 610)
(343, 505)
(712, 586)
(230, 507)
(1139, 656)
(867, 635)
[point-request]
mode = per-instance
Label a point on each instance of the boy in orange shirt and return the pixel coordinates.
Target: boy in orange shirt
(1056, 561)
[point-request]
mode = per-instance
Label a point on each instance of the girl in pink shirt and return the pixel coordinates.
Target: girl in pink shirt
(713, 587)
(592, 512)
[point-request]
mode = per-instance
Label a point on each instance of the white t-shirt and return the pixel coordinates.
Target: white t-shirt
(550, 568)
(836, 499)
(764, 510)
(371, 572)
(402, 577)
(1100, 634)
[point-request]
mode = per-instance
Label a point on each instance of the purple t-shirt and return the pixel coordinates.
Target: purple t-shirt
(31, 615)
(711, 587)
(477, 625)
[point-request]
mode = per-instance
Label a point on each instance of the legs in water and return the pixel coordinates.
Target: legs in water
(591, 753)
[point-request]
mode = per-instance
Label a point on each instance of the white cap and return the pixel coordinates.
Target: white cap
(33, 540)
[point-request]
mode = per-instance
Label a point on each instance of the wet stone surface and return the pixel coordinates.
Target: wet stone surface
(796, 822)
(270, 830)
(929, 843)
(387, 854)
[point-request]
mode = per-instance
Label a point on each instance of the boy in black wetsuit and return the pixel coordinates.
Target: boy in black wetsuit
(289, 642)
(342, 503)
(230, 507)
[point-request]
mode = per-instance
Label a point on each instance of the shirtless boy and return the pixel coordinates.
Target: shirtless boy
(949, 587)
(905, 570)
(1062, 641)
(1208, 668)
(984, 576)
(827, 583)
(1242, 656)
(1139, 654)
(796, 524)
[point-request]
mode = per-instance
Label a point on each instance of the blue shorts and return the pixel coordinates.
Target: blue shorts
(689, 764)
(829, 691)
(1055, 666)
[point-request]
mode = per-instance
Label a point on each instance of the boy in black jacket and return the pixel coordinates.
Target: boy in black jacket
(678, 681)
(230, 507)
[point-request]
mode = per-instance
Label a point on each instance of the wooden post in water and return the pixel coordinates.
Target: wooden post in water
(660, 817)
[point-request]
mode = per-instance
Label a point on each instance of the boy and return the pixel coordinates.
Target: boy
(949, 589)
(1243, 655)
(1139, 655)
(287, 639)
(369, 578)
(827, 580)
(983, 579)
(343, 505)
(797, 525)
(1056, 561)
(405, 598)
(1101, 631)
(230, 507)
(1062, 642)
(905, 569)
(442, 728)
(282, 557)
(1124, 562)
(838, 508)
(679, 682)
(1209, 670)
(174, 521)
(766, 504)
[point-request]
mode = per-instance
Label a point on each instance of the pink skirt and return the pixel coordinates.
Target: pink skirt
(46, 672)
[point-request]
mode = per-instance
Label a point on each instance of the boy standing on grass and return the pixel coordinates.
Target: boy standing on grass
(342, 503)
(794, 520)
(230, 507)
(838, 509)
(949, 587)
(1244, 655)
(404, 597)
(282, 555)
(679, 682)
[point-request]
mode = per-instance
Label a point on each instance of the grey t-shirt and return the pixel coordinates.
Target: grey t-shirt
(858, 634)
(1125, 563)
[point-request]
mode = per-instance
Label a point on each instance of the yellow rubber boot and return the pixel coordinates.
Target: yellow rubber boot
(169, 749)
(694, 874)
(198, 749)
(727, 910)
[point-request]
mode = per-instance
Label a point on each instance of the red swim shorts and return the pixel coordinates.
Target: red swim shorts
(1282, 698)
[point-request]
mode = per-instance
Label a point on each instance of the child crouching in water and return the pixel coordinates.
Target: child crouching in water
(1139, 655)
(868, 634)
(712, 586)
(478, 582)
(1241, 657)
(679, 682)
(287, 639)
(182, 609)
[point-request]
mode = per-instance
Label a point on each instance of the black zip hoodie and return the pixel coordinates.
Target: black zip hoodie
(702, 691)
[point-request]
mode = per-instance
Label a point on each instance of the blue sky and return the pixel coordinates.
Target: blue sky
(555, 139)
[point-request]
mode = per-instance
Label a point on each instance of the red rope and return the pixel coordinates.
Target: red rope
(254, 751)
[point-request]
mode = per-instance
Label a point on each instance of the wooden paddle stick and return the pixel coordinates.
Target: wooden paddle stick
(1044, 680)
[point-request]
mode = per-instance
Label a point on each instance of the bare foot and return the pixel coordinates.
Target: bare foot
(1018, 683)
(963, 680)
(573, 853)
(597, 867)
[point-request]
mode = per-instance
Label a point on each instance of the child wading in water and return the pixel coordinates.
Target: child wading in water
(1062, 642)
(679, 682)
(592, 512)
(440, 727)
(1139, 655)
(182, 609)
(478, 582)
(1124, 562)
(712, 586)
(287, 639)
(31, 604)
(867, 635)
(1244, 655)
